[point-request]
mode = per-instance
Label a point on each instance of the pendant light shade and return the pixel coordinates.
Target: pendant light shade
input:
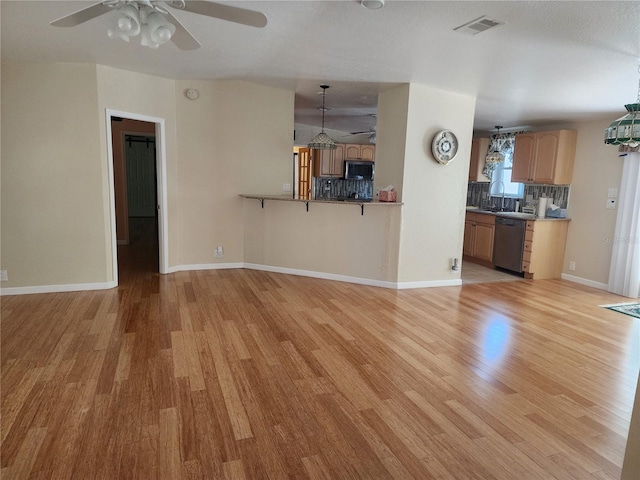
(322, 141)
(625, 130)
(494, 157)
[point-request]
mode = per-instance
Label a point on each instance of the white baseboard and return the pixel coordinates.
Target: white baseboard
(322, 275)
(429, 284)
(204, 266)
(585, 281)
(70, 287)
(251, 266)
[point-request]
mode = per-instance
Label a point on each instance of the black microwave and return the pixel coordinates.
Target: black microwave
(358, 170)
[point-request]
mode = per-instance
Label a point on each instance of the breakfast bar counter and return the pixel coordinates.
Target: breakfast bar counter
(289, 198)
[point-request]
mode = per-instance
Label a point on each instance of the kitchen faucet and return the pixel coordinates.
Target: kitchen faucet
(503, 188)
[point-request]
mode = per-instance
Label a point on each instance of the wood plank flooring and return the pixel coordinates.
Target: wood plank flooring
(241, 374)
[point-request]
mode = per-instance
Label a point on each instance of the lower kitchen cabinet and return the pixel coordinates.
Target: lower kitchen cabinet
(478, 237)
(544, 245)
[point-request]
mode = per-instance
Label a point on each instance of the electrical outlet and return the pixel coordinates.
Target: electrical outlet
(4, 276)
(572, 265)
(286, 187)
(611, 203)
(378, 192)
(218, 252)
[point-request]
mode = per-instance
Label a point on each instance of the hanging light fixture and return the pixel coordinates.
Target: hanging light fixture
(139, 18)
(626, 130)
(322, 141)
(494, 157)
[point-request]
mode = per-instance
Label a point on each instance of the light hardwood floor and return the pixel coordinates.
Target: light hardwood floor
(241, 374)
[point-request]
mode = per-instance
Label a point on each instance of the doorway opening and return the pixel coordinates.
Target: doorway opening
(137, 172)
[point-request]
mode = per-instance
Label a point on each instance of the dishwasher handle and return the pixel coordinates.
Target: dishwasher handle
(511, 222)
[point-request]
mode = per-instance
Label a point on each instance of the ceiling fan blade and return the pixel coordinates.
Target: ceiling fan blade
(82, 16)
(226, 12)
(183, 38)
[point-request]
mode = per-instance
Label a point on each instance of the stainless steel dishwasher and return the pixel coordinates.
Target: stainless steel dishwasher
(508, 243)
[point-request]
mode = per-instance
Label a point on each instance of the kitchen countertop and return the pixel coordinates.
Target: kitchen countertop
(518, 215)
(288, 198)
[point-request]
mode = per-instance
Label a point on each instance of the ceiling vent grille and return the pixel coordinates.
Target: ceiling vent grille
(478, 25)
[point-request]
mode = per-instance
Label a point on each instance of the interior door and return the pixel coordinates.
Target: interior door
(140, 157)
(304, 173)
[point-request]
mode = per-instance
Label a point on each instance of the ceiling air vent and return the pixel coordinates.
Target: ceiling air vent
(478, 25)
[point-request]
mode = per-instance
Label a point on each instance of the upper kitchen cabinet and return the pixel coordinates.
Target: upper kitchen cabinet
(544, 157)
(479, 149)
(329, 163)
(359, 152)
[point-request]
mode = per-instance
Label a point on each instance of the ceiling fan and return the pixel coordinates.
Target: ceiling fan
(371, 134)
(153, 20)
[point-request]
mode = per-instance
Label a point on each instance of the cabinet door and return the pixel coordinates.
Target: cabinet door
(484, 241)
(473, 162)
(546, 155)
(352, 152)
(368, 152)
(337, 167)
(523, 158)
(469, 238)
(323, 159)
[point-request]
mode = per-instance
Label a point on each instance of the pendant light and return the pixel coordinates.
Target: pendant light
(494, 157)
(322, 141)
(626, 130)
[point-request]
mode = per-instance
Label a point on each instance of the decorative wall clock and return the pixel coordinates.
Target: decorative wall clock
(444, 146)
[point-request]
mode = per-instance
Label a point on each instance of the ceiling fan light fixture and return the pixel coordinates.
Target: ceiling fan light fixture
(126, 23)
(158, 29)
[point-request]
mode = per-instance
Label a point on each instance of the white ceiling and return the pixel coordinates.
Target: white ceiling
(551, 62)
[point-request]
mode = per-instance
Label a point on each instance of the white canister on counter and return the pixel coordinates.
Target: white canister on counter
(542, 207)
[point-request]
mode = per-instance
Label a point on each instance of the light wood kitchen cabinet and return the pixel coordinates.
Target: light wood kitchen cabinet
(544, 245)
(479, 229)
(359, 152)
(329, 163)
(479, 149)
(544, 157)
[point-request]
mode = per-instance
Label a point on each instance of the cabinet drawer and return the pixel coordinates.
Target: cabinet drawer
(528, 246)
(528, 236)
(526, 266)
(526, 257)
(530, 224)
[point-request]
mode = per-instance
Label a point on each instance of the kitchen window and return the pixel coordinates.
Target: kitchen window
(502, 173)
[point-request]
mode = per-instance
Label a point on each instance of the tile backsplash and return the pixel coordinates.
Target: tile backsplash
(324, 187)
(477, 192)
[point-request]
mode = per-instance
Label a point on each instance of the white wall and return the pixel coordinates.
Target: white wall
(330, 238)
(53, 229)
(597, 168)
(144, 95)
(237, 137)
(434, 195)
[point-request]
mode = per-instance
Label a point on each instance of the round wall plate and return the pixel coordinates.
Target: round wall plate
(191, 93)
(444, 146)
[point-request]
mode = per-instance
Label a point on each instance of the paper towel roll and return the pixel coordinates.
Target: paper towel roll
(542, 207)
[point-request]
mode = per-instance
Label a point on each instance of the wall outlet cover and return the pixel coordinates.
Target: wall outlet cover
(612, 193)
(4, 276)
(286, 187)
(572, 265)
(611, 203)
